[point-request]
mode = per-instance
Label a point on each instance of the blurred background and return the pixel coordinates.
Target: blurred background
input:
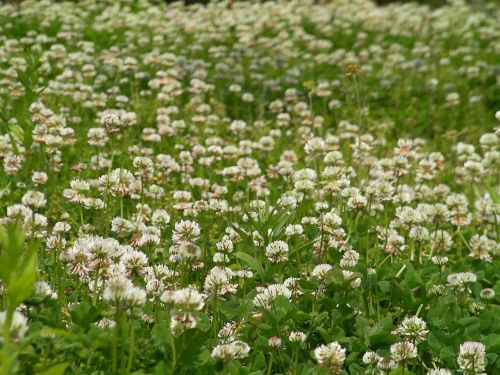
(381, 2)
(433, 3)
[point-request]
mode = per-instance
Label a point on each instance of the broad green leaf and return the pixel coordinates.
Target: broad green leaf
(59, 369)
(251, 261)
(11, 240)
(85, 314)
(259, 362)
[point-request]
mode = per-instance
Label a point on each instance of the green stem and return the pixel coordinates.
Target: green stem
(96, 289)
(115, 339)
(121, 206)
(296, 361)
(270, 365)
(7, 356)
(131, 347)
(174, 355)
(215, 316)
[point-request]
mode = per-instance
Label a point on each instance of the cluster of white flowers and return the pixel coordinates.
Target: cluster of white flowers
(185, 303)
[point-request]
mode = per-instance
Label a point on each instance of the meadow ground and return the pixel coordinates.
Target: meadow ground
(249, 188)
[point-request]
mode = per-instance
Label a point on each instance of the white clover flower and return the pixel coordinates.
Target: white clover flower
(349, 259)
(274, 342)
(297, 336)
(277, 252)
(321, 270)
(228, 332)
(186, 299)
(245, 274)
(18, 326)
(371, 358)
(487, 293)
(34, 198)
(218, 281)
(439, 371)
(386, 364)
(439, 260)
(186, 230)
(315, 145)
(39, 178)
(294, 229)
(105, 323)
(331, 355)
(472, 358)
(403, 351)
(233, 350)
(118, 182)
(44, 288)
(331, 219)
(460, 279)
(267, 296)
(117, 290)
(225, 246)
(412, 327)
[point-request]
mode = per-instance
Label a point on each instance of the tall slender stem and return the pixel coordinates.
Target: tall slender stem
(131, 347)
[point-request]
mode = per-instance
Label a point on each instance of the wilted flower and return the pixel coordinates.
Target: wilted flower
(487, 293)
